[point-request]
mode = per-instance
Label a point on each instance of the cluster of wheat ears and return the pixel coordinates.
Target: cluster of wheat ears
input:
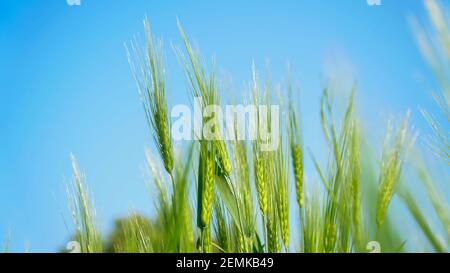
(231, 196)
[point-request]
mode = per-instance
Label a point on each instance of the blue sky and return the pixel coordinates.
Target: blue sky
(66, 87)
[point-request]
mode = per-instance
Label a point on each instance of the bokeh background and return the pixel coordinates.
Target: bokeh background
(66, 87)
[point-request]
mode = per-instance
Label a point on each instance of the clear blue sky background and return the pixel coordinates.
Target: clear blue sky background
(65, 87)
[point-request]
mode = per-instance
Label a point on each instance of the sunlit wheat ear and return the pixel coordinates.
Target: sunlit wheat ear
(283, 211)
(391, 167)
(204, 85)
(295, 140)
(298, 172)
(148, 70)
(282, 195)
(258, 157)
(208, 193)
(205, 193)
(222, 156)
(260, 181)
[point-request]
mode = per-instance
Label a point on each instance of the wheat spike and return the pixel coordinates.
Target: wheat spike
(391, 167)
(222, 157)
(260, 184)
(208, 192)
(298, 172)
(148, 71)
(284, 215)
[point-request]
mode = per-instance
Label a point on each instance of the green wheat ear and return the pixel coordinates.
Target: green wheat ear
(283, 211)
(391, 166)
(298, 172)
(260, 183)
(295, 142)
(208, 192)
(282, 196)
(222, 156)
(205, 193)
(148, 71)
(273, 243)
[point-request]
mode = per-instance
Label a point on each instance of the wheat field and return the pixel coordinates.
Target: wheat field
(231, 196)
